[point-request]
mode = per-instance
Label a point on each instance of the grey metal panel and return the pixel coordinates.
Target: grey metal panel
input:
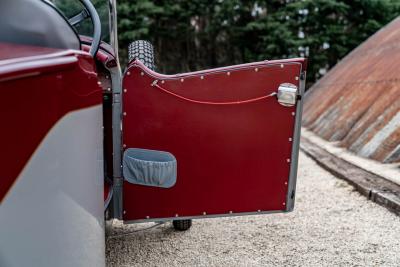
(296, 145)
(53, 214)
(33, 22)
(117, 146)
(116, 79)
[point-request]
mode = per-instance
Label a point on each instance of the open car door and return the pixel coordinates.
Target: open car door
(211, 143)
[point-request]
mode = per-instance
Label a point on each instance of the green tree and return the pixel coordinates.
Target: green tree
(193, 35)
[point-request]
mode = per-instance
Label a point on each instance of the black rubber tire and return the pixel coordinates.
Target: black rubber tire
(143, 51)
(182, 225)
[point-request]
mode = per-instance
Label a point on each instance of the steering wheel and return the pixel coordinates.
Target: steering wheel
(89, 11)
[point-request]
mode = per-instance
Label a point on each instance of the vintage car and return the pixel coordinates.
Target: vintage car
(83, 142)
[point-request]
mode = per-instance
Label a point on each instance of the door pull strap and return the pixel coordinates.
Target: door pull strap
(246, 101)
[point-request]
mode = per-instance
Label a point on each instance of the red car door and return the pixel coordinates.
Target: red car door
(233, 133)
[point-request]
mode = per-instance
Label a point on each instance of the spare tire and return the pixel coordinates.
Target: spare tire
(143, 51)
(182, 225)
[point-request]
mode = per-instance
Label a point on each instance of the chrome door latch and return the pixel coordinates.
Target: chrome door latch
(287, 94)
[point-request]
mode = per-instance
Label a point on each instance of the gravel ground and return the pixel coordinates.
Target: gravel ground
(332, 225)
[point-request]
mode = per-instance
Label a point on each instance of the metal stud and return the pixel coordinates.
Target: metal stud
(296, 78)
(124, 145)
(125, 90)
(124, 113)
(128, 73)
(162, 81)
(285, 183)
(182, 80)
(293, 113)
(290, 139)
(176, 215)
(204, 213)
(258, 210)
(147, 217)
(230, 212)
(282, 66)
(124, 211)
(288, 160)
(109, 89)
(228, 73)
(99, 83)
(142, 73)
(202, 77)
(256, 69)
(283, 203)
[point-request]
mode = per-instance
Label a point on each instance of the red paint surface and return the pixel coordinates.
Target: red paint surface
(56, 82)
(15, 52)
(230, 158)
(107, 189)
(103, 55)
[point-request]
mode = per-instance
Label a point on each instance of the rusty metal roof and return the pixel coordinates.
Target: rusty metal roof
(357, 103)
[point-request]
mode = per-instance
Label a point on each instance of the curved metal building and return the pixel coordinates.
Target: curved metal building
(357, 104)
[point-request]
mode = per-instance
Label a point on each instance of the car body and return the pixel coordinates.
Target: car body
(84, 143)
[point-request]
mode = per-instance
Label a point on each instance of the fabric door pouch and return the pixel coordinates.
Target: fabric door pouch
(149, 167)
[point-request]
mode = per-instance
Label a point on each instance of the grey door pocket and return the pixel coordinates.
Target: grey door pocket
(149, 167)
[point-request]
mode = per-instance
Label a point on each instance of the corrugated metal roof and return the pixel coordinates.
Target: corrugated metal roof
(357, 103)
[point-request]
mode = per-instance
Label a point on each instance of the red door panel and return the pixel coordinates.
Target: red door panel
(231, 158)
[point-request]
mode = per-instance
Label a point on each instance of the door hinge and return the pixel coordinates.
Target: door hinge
(118, 181)
(117, 98)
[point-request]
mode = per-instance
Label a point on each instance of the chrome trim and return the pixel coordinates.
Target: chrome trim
(287, 94)
(296, 145)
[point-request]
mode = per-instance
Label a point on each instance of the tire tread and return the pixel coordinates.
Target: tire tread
(143, 51)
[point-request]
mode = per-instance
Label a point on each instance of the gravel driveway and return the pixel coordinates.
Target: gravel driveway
(332, 225)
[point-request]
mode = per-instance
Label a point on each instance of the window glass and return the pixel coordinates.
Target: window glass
(71, 8)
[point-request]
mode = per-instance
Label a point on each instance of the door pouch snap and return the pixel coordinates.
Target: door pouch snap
(149, 167)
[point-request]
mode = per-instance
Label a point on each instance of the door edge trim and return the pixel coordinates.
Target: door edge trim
(290, 197)
(203, 216)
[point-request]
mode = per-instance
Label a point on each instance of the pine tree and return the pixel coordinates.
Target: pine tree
(193, 35)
